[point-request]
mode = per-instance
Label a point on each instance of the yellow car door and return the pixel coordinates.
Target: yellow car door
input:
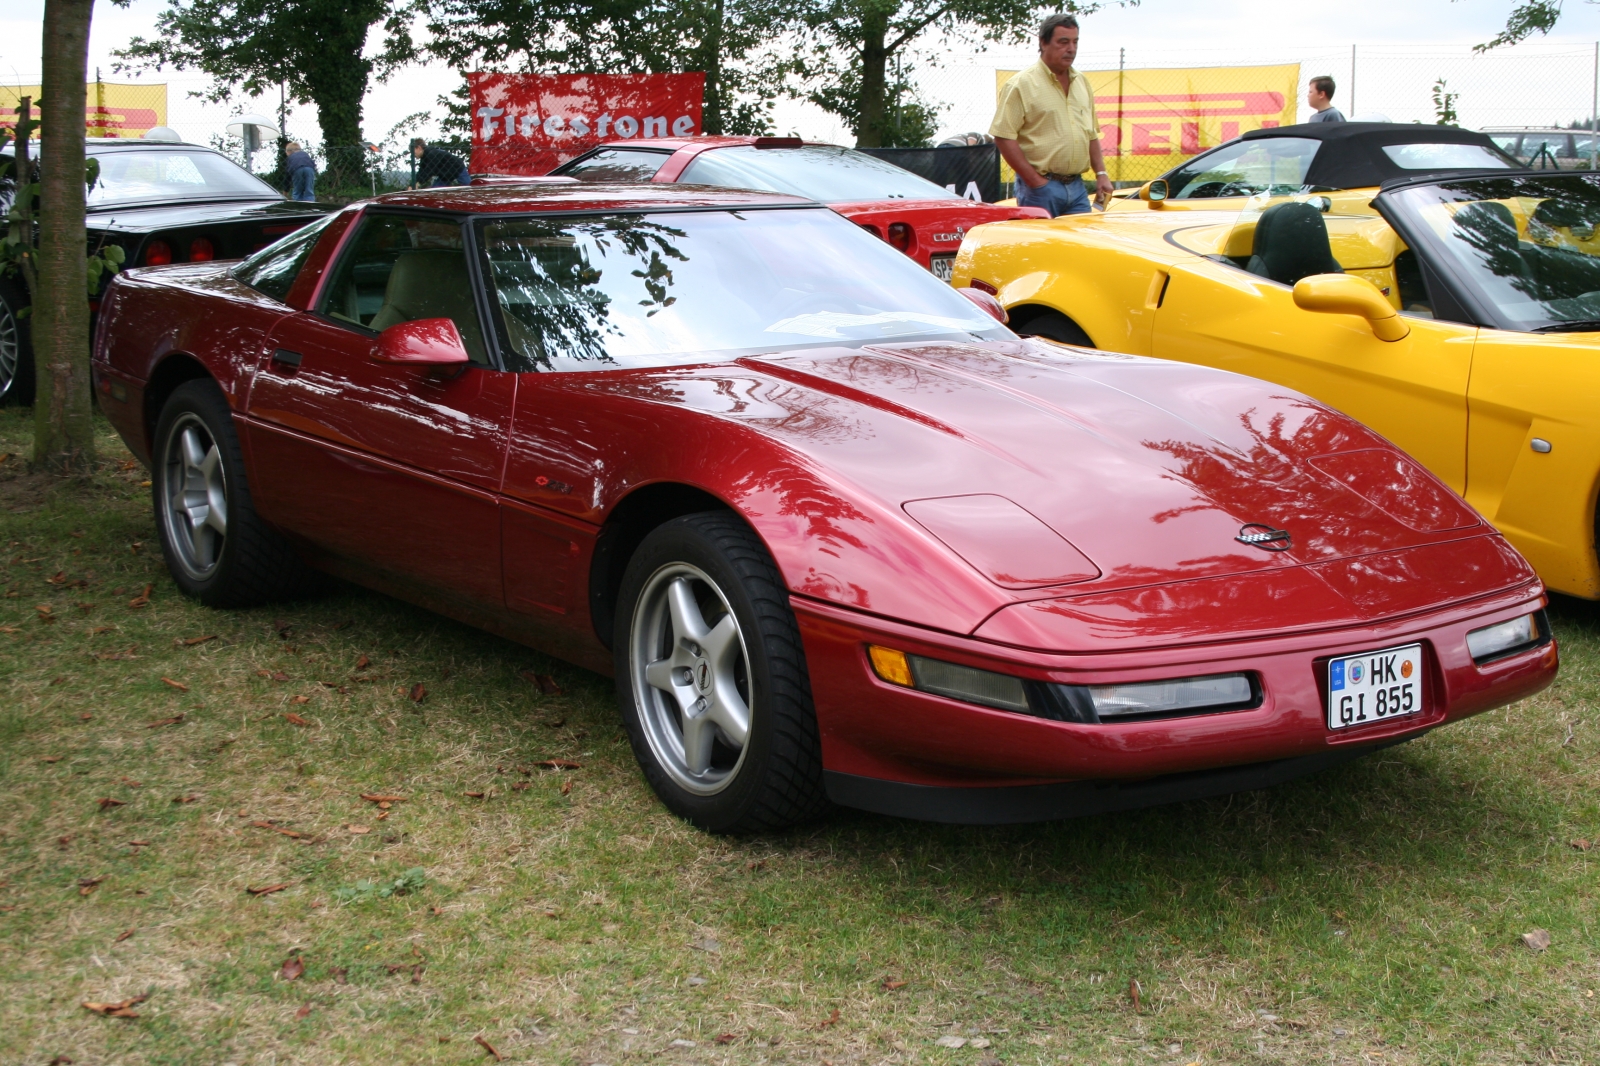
(1413, 391)
(1534, 446)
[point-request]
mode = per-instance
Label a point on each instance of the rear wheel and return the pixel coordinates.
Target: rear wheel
(218, 550)
(712, 679)
(1055, 326)
(16, 353)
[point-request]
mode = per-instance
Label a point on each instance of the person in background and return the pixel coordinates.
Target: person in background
(435, 166)
(302, 172)
(1046, 128)
(1320, 97)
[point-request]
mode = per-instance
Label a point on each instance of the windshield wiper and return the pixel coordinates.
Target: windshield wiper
(1581, 325)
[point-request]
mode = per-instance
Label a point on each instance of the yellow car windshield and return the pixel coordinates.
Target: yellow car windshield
(1524, 249)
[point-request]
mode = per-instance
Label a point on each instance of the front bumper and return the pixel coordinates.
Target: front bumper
(885, 747)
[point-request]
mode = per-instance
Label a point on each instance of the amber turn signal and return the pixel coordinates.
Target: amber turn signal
(890, 665)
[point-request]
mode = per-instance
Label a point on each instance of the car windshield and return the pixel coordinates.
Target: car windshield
(1274, 165)
(1446, 157)
(131, 175)
(1525, 248)
(595, 292)
(820, 172)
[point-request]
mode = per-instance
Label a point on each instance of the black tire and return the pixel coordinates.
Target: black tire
(774, 779)
(16, 347)
(244, 563)
(1055, 326)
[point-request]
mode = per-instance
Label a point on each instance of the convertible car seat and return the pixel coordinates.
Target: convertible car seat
(1291, 243)
(433, 283)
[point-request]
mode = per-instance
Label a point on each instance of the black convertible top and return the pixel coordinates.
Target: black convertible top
(1352, 153)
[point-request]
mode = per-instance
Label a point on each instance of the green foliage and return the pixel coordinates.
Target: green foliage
(909, 121)
(20, 195)
(315, 48)
(411, 881)
(1526, 19)
(1444, 105)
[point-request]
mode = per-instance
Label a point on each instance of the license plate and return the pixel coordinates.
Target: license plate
(943, 267)
(1374, 686)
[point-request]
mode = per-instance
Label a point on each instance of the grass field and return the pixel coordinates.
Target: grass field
(1372, 914)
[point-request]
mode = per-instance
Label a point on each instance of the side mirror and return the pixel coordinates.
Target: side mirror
(987, 303)
(1153, 192)
(1346, 294)
(422, 342)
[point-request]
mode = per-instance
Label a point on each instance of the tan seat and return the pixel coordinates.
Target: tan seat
(433, 283)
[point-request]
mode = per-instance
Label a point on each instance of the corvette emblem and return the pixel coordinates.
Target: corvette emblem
(947, 238)
(1264, 537)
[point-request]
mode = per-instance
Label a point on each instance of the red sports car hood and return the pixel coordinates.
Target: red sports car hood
(1150, 472)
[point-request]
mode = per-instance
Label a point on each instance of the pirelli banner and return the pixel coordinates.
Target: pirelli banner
(1154, 118)
(110, 109)
(528, 124)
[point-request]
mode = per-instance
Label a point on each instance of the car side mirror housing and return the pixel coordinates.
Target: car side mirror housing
(990, 306)
(1154, 192)
(422, 342)
(1346, 294)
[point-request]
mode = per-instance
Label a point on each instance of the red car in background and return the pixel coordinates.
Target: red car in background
(836, 531)
(916, 216)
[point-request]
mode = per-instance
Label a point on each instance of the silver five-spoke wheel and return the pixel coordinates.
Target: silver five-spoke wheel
(195, 493)
(691, 678)
(10, 346)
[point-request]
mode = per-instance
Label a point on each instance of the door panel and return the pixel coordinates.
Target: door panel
(391, 468)
(1412, 391)
(1525, 386)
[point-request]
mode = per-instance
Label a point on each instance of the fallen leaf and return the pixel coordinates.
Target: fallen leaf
(192, 641)
(49, 758)
(295, 719)
(278, 829)
(119, 1009)
(267, 890)
(293, 967)
(566, 787)
(543, 682)
(278, 675)
(373, 797)
(143, 599)
(97, 630)
(474, 795)
(419, 692)
(87, 885)
(125, 934)
(341, 975)
(14, 629)
(179, 685)
(487, 1047)
(560, 764)
(117, 656)
(184, 799)
(85, 717)
(59, 1060)
(130, 782)
(708, 945)
(45, 614)
(437, 910)
(383, 814)
(1536, 940)
(363, 662)
(890, 986)
(951, 1041)
(1582, 844)
(300, 700)
(174, 720)
(106, 802)
(521, 786)
(282, 627)
(62, 842)
(726, 1038)
(303, 1011)
(138, 843)
(1133, 992)
(832, 1019)
(416, 974)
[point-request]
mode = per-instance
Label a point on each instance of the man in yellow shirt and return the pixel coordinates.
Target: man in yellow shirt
(1046, 128)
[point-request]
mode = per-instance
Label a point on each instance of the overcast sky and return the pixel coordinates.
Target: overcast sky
(1156, 32)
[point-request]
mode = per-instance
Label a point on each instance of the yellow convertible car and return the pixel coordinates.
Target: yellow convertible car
(1345, 161)
(1462, 320)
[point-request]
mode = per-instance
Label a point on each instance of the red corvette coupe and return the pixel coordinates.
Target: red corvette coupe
(837, 532)
(913, 214)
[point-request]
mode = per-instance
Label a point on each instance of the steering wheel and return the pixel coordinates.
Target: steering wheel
(1236, 188)
(1206, 191)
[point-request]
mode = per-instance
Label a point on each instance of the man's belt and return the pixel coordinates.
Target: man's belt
(1065, 179)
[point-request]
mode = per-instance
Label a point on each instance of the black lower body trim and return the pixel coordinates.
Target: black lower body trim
(1074, 799)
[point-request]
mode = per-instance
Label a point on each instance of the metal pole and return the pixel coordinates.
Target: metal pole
(1352, 83)
(1594, 110)
(1122, 59)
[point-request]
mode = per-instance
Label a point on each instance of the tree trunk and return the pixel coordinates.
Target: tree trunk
(874, 70)
(336, 74)
(711, 49)
(63, 440)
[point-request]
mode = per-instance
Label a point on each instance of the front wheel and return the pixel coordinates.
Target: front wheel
(712, 681)
(217, 548)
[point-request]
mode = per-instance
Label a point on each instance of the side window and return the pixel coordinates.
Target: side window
(1414, 298)
(616, 164)
(272, 270)
(403, 267)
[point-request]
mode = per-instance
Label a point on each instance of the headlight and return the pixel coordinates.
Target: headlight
(1503, 638)
(1065, 703)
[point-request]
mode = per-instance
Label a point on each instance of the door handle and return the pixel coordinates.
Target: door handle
(287, 359)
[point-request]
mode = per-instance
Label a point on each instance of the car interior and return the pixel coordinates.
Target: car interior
(400, 269)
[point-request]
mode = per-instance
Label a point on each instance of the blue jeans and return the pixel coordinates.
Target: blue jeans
(1056, 197)
(302, 184)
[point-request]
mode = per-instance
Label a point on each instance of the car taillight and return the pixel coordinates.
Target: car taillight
(901, 237)
(200, 250)
(983, 286)
(157, 253)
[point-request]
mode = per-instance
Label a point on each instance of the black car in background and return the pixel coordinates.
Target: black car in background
(162, 202)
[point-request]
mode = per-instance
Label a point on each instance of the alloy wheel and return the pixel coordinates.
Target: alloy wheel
(10, 347)
(691, 678)
(194, 493)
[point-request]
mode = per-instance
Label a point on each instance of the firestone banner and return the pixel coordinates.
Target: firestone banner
(531, 123)
(1153, 119)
